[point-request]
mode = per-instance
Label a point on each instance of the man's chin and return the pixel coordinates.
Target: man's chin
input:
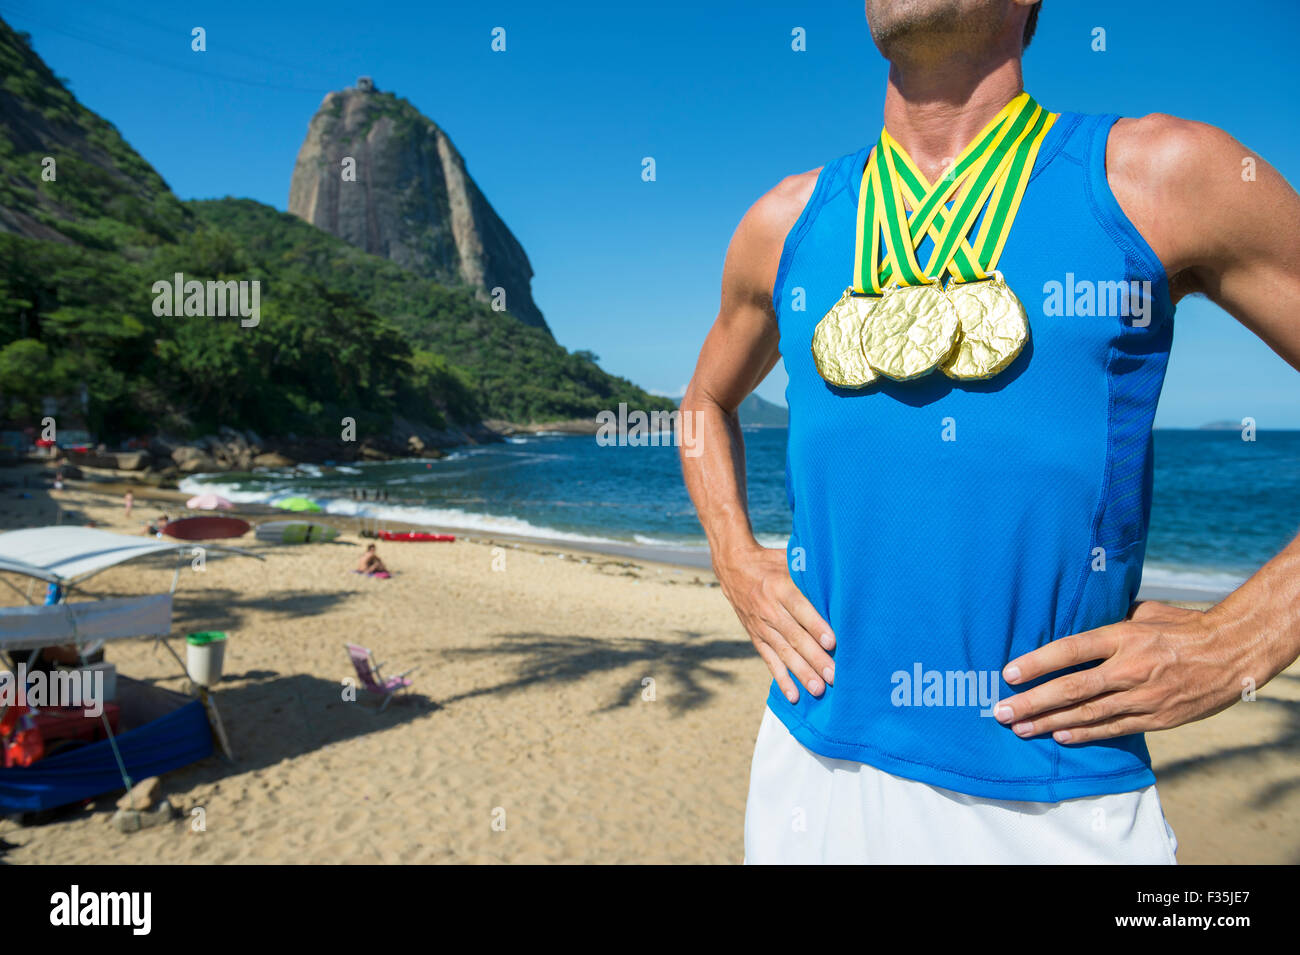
(924, 30)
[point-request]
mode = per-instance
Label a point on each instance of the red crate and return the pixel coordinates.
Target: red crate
(70, 722)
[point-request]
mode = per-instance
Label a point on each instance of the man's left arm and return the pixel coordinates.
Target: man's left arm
(1227, 225)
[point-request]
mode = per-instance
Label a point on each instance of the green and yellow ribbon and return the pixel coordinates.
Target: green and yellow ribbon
(993, 171)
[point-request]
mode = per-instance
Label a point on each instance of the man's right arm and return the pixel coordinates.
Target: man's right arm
(740, 350)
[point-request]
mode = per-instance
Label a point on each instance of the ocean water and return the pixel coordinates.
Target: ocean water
(1221, 507)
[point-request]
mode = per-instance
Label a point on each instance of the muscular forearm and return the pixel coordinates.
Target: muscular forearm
(1260, 621)
(787, 631)
(742, 347)
(715, 477)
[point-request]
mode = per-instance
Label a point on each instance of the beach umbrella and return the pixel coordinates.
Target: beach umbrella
(209, 502)
(298, 504)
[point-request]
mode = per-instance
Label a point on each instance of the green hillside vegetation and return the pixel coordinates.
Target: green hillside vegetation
(105, 195)
(342, 333)
(71, 315)
(516, 372)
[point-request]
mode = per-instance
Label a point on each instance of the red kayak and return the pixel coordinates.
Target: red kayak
(414, 536)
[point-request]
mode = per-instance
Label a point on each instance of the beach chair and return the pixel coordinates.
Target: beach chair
(363, 661)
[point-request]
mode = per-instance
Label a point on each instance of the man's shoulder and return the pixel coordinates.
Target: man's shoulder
(1171, 176)
(755, 252)
(1161, 149)
(775, 212)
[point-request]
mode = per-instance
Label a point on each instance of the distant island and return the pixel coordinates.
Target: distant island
(756, 412)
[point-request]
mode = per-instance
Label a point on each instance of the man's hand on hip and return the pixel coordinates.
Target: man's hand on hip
(787, 632)
(1162, 667)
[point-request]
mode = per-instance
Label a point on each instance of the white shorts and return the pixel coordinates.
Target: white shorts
(808, 809)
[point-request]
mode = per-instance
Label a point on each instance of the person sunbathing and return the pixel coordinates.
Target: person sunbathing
(370, 562)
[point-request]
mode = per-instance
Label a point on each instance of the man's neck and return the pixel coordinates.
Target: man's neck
(935, 113)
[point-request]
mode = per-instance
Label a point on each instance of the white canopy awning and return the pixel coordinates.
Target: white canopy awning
(115, 618)
(67, 554)
(18, 567)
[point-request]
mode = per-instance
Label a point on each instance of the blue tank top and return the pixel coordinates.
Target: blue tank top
(945, 527)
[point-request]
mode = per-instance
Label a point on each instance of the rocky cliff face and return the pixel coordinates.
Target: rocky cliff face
(412, 200)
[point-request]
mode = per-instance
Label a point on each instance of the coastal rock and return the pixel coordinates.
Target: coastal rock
(421, 445)
(142, 795)
(422, 441)
(272, 459)
(160, 477)
(162, 446)
(230, 449)
(191, 459)
(132, 460)
(133, 820)
(411, 201)
(232, 438)
(91, 459)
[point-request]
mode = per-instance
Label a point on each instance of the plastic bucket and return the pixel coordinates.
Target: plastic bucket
(205, 652)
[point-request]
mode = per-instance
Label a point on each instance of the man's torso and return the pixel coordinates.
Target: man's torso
(944, 527)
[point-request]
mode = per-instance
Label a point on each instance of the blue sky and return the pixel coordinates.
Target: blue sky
(554, 131)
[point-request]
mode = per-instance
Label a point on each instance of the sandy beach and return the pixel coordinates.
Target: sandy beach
(568, 707)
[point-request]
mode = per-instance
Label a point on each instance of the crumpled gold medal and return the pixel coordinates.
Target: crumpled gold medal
(975, 327)
(994, 328)
(837, 342)
(912, 329)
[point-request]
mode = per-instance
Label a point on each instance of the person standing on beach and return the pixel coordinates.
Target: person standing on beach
(975, 316)
(128, 501)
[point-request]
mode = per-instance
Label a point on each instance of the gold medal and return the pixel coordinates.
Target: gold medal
(897, 319)
(911, 330)
(994, 328)
(837, 342)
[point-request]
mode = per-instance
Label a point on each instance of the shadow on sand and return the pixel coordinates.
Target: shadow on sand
(547, 659)
(1240, 760)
